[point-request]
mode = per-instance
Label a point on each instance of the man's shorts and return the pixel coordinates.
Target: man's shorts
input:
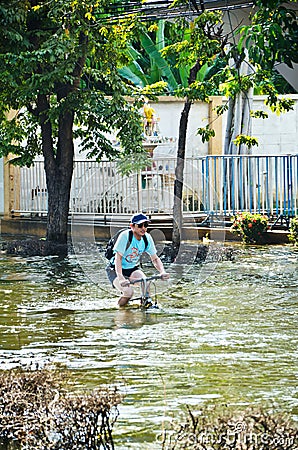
(111, 273)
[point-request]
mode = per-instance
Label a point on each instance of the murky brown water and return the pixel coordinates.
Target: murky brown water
(231, 340)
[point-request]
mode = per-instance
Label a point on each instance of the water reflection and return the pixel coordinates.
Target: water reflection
(231, 340)
(134, 318)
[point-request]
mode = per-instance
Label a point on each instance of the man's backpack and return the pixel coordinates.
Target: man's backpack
(109, 251)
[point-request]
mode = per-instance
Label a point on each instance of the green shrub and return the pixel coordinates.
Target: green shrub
(293, 236)
(250, 227)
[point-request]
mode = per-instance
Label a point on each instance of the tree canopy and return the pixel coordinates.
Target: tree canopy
(56, 57)
(272, 37)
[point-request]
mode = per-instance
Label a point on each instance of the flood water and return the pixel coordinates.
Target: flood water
(231, 340)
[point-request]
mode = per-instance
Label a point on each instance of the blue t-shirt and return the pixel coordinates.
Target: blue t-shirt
(131, 256)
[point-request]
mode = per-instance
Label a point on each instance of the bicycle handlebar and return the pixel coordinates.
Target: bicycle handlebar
(140, 280)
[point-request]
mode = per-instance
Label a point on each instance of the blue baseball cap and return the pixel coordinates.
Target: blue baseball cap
(139, 218)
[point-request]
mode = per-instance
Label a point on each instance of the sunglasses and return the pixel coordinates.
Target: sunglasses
(144, 224)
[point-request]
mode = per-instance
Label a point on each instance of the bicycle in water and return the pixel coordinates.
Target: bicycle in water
(145, 300)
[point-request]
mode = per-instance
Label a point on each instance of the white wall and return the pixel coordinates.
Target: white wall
(276, 135)
(279, 133)
(169, 112)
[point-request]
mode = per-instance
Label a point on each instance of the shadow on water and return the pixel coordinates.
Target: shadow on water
(231, 340)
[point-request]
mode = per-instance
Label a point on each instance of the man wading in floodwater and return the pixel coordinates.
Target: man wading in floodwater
(128, 249)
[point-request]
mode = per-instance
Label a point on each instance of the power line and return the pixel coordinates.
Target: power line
(160, 9)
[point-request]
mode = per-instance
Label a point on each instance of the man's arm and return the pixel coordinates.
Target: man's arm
(156, 261)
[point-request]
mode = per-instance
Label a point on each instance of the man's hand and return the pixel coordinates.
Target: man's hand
(164, 275)
(124, 283)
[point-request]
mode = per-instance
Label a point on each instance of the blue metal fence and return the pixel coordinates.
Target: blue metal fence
(259, 183)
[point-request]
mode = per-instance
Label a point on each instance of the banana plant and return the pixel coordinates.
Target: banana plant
(144, 71)
(148, 66)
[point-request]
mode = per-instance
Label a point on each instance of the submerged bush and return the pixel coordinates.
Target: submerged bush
(37, 412)
(293, 236)
(250, 227)
(218, 430)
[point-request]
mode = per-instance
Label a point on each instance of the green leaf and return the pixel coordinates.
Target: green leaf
(161, 63)
(202, 72)
(184, 74)
(206, 133)
(160, 36)
(136, 55)
(133, 74)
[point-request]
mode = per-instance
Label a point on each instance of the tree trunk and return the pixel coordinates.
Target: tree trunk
(59, 170)
(59, 176)
(59, 161)
(179, 176)
(238, 122)
(238, 117)
(179, 171)
(230, 121)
